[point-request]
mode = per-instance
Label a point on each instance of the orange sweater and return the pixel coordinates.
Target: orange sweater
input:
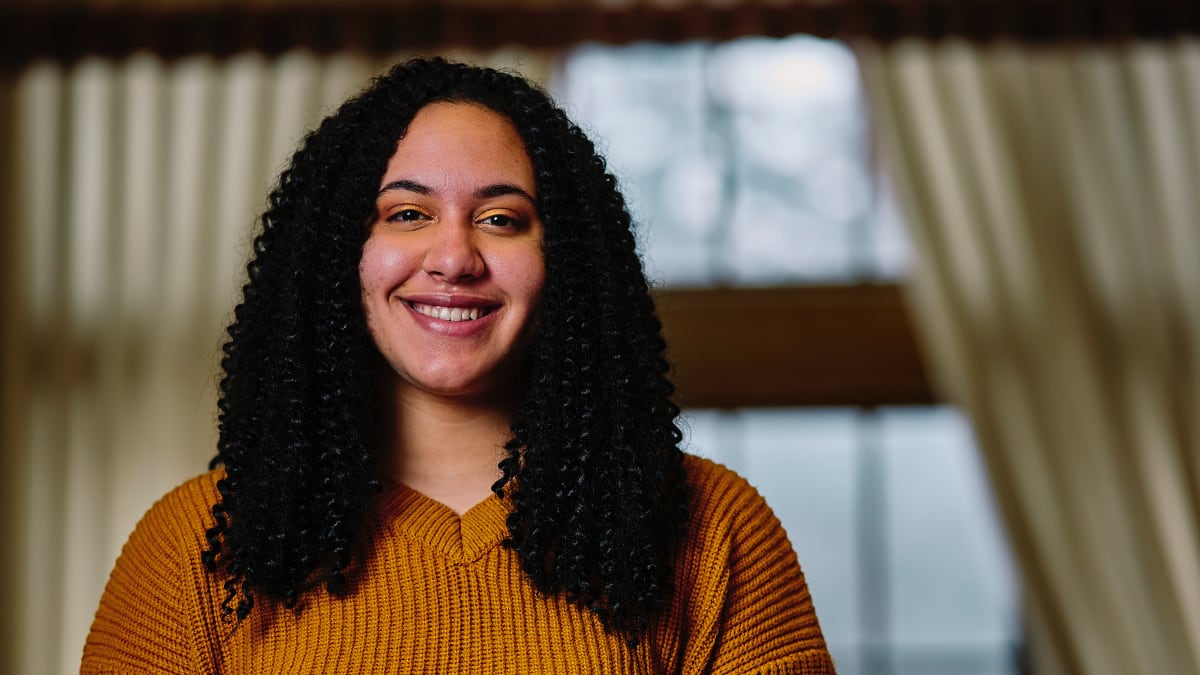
(441, 595)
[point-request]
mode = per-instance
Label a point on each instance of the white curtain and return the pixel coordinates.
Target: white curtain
(131, 192)
(1054, 198)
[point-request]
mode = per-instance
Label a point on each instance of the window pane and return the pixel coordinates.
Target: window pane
(804, 464)
(891, 518)
(745, 163)
(951, 586)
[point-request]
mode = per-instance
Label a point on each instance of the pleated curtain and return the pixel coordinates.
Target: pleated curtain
(1053, 193)
(130, 192)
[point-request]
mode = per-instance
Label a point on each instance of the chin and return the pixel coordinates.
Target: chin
(452, 388)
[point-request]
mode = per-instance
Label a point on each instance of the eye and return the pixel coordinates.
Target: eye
(406, 216)
(500, 220)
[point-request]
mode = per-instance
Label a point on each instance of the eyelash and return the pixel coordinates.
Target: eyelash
(406, 216)
(500, 220)
(507, 221)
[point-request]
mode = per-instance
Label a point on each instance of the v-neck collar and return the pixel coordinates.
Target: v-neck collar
(428, 522)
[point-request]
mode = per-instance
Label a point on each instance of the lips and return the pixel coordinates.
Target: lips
(453, 314)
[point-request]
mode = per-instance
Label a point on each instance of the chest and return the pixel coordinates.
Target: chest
(418, 611)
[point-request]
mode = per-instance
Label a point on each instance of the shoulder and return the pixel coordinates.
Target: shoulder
(729, 518)
(171, 534)
(169, 538)
(183, 512)
(197, 492)
(744, 594)
(723, 500)
(148, 606)
(713, 479)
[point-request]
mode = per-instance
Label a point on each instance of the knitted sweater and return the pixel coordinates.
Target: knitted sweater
(439, 594)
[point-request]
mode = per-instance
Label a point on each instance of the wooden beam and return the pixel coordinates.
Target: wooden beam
(795, 346)
(66, 32)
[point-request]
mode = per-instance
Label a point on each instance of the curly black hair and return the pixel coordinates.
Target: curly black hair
(593, 467)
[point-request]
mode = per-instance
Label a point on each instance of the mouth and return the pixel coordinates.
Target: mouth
(453, 314)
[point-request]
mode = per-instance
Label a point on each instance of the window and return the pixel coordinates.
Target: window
(749, 164)
(746, 163)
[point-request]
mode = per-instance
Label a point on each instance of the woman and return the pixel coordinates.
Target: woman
(446, 436)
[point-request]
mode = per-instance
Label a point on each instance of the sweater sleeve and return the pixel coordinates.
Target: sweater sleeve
(767, 623)
(142, 624)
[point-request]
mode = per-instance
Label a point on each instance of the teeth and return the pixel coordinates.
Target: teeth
(449, 313)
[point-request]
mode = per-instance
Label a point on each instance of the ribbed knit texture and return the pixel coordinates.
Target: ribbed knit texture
(439, 594)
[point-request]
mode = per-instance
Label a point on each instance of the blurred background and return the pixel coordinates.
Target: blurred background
(928, 268)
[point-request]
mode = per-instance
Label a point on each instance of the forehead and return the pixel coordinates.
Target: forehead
(455, 142)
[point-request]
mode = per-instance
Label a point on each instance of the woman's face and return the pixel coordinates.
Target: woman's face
(452, 271)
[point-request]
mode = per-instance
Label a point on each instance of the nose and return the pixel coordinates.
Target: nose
(454, 254)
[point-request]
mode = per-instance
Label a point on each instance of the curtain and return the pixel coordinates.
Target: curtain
(1052, 193)
(131, 189)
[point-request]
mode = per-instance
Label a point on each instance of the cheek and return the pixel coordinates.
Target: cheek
(375, 269)
(536, 277)
(522, 272)
(535, 282)
(380, 266)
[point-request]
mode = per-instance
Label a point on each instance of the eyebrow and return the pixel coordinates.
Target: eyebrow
(486, 192)
(409, 185)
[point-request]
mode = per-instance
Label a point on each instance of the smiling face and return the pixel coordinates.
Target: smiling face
(452, 271)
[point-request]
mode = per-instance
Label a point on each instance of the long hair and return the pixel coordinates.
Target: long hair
(593, 467)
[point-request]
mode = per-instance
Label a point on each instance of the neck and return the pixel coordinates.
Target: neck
(446, 448)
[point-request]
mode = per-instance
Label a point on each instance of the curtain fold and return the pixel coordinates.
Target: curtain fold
(1051, 192)
(132, 188)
